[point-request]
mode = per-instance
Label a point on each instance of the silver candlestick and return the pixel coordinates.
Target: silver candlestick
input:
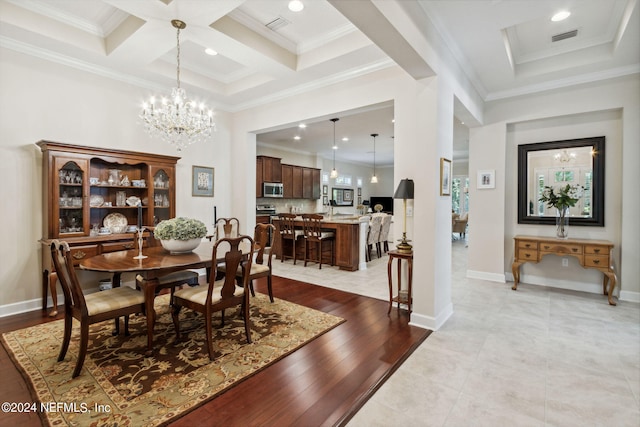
(140, 242)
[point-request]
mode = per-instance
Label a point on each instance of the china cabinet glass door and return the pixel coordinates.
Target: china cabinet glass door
(70, 216)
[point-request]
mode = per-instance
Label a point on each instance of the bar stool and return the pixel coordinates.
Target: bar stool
(313, 234)
(288, 231)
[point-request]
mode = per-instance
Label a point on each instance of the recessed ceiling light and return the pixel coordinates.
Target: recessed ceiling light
(297, 137)
(560, 16)
(302, 126)
(210, 51)
(295, 6)
(345, 139)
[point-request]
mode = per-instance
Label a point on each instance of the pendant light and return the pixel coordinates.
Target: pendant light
(334, 172)
(374, 178)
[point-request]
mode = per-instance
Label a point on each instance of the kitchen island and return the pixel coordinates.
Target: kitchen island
(350, 234)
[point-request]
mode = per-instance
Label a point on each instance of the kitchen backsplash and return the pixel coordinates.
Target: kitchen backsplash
(300, 205)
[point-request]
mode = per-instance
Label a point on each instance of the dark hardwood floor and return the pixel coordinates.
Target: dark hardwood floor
(323, 383)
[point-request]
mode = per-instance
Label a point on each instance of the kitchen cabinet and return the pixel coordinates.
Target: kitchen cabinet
(271, 169)
(259, 176)
(298, 182)
(287, 181)
(310, 183)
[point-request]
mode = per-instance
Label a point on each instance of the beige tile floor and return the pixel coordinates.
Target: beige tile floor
(535, 357)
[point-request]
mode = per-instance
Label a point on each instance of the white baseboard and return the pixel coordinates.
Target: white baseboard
(27, 306)
(629, 296)
(592, 288)
(483, 275)
(36, 304)
(429, 322)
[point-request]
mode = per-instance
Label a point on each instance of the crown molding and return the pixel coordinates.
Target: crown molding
(317, 84)
(564, 83)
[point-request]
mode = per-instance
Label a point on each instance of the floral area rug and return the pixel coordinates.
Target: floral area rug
(118, 385)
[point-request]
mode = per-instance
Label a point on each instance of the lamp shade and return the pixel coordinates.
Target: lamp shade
(404, 190)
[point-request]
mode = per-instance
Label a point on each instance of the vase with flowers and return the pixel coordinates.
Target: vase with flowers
(180, 235)
(562, 199)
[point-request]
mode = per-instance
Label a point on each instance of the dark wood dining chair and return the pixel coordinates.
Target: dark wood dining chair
(261, 266)
(91, 308)
(170, 280)
(220, 294)
(313, 235)
(286, 223)
(225, 227)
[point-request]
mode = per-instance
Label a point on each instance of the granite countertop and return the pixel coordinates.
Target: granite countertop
(341, 218)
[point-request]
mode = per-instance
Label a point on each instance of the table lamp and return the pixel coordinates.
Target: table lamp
(404, 192)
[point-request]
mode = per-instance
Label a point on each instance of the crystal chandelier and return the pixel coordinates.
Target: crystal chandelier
(334, 172)
(177, 120)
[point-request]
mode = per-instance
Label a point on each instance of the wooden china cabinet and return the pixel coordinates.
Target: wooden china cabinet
(89, 197)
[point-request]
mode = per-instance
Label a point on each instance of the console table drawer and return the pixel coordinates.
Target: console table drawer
(526, 244)
(597, 250)
(561, 248)
(527, 254)
(599, 261)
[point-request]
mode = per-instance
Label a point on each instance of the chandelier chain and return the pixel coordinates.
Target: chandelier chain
(178, 59)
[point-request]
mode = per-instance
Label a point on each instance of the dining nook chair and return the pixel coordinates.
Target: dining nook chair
(220, 294)
(383, 239)
(92, 308)
(286, 224)
(373, 236)
(314, 235)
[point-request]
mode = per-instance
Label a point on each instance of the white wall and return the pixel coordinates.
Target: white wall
(43, 100)
(605, 108)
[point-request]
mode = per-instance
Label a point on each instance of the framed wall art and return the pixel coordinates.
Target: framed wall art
(486, 179)
(445, 177)
(202, 178)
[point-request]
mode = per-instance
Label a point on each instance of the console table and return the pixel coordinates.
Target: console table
(589, 253)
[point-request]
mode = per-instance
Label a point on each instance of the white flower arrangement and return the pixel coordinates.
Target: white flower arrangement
(180, 229)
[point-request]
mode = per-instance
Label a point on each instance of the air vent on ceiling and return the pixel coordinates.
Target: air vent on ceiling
(277, 23)
(564, 36)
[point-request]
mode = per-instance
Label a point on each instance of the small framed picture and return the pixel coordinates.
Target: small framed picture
(325, 200)
(445, 177)
(359, 191)
(202, 185)
(359, 200)
(325, 190)
(486, 179)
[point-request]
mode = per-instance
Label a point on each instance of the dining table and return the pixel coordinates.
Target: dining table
(157, 263)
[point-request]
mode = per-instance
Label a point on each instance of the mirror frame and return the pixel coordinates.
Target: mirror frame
(342, 196)
(597, 218)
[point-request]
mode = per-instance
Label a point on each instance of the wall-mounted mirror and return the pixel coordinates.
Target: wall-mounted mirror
(342, 196)
(557, 163)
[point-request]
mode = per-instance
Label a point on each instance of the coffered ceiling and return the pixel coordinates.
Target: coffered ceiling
(266, 52)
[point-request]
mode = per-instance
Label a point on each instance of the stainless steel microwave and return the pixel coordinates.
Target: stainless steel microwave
(273, 189)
